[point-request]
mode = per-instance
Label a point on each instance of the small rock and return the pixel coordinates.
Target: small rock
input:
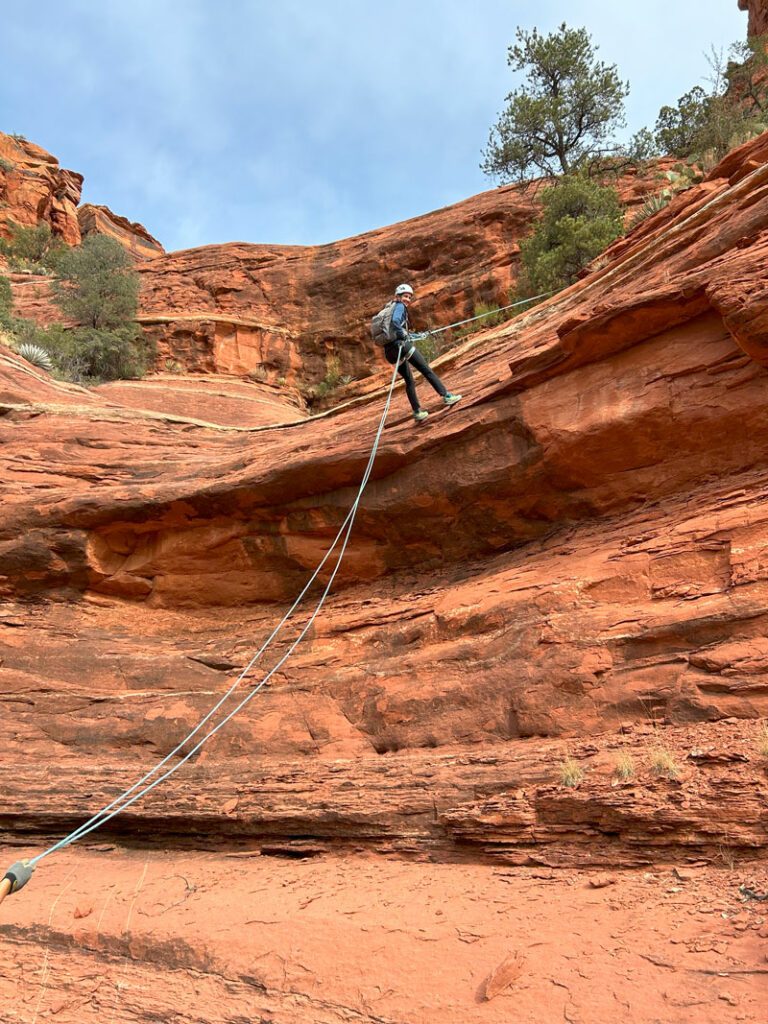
(681, 875)
(508, 971)
(601, 881)
(83, 910)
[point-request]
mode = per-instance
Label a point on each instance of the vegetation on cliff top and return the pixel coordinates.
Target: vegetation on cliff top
(559, 125)
(565, 112)
(96, 287)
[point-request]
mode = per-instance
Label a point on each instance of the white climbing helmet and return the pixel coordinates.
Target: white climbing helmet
(403, 289)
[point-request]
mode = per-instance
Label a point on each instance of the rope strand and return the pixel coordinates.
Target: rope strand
(122, 802)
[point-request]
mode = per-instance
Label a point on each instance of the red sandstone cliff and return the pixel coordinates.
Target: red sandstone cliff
(34, 188)
(132, 236)
(571, 563)
(579, 543)
(758, 16)
(292, 309)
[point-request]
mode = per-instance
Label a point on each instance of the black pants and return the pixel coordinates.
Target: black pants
(404, 369)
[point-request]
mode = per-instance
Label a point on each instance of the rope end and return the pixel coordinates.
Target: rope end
(16, 877)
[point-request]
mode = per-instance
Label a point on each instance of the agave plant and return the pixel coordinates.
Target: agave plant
(652, 205)
(36, 355)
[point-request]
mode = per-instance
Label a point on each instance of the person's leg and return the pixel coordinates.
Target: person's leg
(410, 385)
(421, 364)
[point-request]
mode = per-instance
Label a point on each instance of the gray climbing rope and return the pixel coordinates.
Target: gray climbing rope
(490, 312)
(139, 789)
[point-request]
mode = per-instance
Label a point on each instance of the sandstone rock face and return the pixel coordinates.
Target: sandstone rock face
(297, 311)
(226, 401)
(134, 237)
(35, 189)
(33, 298)
(758, 16)
(292, 308)
(567, 569)
(608, 456)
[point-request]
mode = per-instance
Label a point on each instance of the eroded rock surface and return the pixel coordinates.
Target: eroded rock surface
(758, 16)
(568, 568)
(34, 188)
(100, 220)
(300, 311)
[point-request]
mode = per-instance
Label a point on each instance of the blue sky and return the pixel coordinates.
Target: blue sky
(300, 123)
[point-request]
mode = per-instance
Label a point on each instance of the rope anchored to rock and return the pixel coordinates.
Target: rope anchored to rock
(20, 873)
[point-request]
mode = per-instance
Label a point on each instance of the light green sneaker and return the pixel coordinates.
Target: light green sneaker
(450, 399)
(420, 415)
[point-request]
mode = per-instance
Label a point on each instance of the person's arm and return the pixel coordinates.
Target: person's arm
(400, 322)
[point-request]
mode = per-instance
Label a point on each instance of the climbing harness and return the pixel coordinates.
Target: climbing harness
(139, 789)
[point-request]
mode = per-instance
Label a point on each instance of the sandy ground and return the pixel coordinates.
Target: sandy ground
(113, 935)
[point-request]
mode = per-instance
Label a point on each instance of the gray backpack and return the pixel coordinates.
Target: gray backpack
(381, 325)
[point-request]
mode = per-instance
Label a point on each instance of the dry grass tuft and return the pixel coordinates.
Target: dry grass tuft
(570, 773)
(662, 762)
(625, 766)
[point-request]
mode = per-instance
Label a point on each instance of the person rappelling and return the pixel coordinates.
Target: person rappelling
(390, 329)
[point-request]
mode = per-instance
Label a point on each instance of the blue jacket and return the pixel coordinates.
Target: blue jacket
(400, 322)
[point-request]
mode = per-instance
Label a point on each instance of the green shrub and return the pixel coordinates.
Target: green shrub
(97, 285)
(329, 382)
(581, 218)
(428, 345)
(708, 123)
(91, 354)
(5, 165)
(651, 205)
(99, 289)
(32, 249)
(677, 128)
(6, 302)
(491, 315)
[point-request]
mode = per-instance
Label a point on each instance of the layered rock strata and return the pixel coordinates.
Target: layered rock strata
(565, 570)
(100, 220)
(581, 540)
(300, 311)
(34, 188)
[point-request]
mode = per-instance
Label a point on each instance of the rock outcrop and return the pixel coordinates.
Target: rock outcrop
(100, 220)
(541, 679)
(296, 311)
(758, 16)
(588, 538)
(34, 188)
